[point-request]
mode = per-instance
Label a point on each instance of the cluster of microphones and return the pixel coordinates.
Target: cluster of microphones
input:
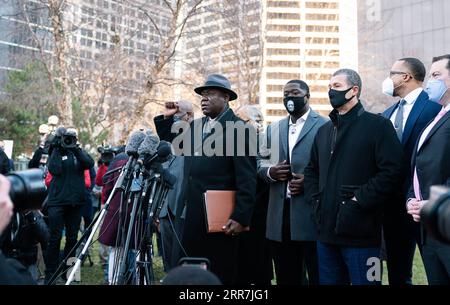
(146, 155)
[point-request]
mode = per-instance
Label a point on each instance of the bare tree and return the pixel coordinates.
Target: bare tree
(239, 41)
(159, 74)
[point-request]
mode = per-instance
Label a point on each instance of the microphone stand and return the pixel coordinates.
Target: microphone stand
(121, 184)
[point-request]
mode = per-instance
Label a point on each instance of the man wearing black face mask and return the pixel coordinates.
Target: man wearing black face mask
(290, 228)
(356, 163)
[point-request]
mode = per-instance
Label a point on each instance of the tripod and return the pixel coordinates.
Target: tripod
(148, 195)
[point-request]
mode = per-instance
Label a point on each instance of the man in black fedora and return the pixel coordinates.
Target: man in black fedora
(222, 170)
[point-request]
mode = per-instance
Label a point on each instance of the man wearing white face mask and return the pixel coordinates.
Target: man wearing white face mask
(409, 116)
(430, 166)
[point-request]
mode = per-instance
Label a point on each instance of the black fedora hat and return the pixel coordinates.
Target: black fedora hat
(217, 81)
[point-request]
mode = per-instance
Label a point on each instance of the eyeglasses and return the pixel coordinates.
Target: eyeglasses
(392, 73)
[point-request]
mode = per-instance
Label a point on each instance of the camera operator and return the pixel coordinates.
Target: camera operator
(66, 195)
(40, 156)
(21, 238)
(11, 272)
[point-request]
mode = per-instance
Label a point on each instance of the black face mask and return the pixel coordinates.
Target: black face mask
(337, 98)
(294, 104)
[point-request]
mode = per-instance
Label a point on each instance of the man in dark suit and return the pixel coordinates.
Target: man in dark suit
(214, 161)
(290, 226)
(409, 116)
(430, 166)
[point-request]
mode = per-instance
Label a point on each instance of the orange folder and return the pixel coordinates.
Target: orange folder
(219, 205)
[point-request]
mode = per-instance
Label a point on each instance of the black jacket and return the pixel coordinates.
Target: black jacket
(35, 161)
(202, 173)
(67, 168)
(356, 154)
(30, 229)
(431, 160)
(14, 273)
(4, 163)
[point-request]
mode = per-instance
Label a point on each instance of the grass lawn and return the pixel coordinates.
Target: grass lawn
(94, 275)
(419, 275)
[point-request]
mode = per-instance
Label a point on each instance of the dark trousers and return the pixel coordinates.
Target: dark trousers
(60, 217)
(436, 258)
(344, 265)
(87, 214)
(294, 259)
(401, 236)
(170, 244)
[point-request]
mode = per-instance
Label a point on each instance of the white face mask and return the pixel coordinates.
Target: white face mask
(388, 87)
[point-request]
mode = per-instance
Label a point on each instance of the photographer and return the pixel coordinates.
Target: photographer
(40, 156)
(21, 238)
(11, 272)
(66, 195)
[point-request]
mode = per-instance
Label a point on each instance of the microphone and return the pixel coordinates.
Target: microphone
(150, 144)
(163, 154)
(164, 151)
(147, 148)
(168, 178)
(134, 142)
(131, 150)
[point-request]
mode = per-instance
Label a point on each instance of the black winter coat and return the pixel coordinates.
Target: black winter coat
(67, 168)
(202, 173)
(354, 155)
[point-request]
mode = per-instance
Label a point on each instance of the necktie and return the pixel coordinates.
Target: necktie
(416, 183)
(399, 120)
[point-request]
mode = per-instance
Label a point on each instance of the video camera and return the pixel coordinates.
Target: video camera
(107, 153)
(436, 213)
(65, 138)
(28, 190)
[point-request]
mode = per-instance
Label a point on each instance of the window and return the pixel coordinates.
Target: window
(322, 5)
(271, 15)
(283, 27)
(279, 63)
(283, 51)
(271, 112)
(280, 75)
(274, 88)
(322, 17)
(280, 39)
(283, 4)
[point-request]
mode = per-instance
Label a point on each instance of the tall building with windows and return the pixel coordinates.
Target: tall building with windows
(94, 28)
(288, 39)
(392, 29)
(225, 37)
(306, 40)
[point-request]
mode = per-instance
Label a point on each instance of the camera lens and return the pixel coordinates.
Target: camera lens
(28, 190)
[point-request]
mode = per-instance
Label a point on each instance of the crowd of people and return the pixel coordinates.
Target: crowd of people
(320, 199)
